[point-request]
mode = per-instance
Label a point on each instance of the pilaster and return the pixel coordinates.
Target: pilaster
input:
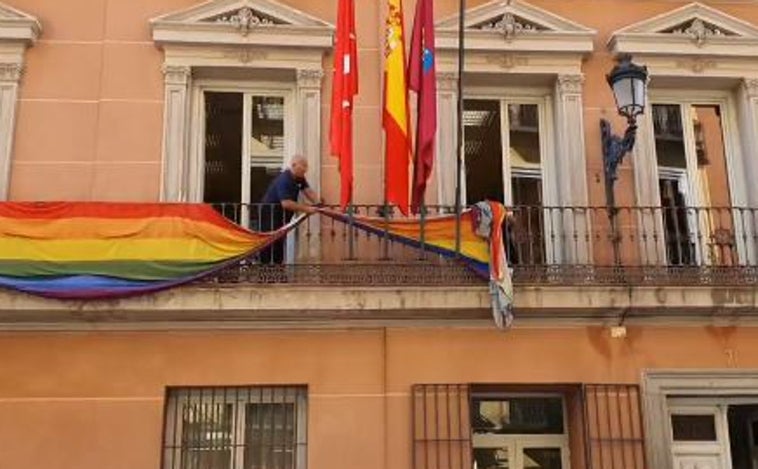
(175, 136)
(10, 75)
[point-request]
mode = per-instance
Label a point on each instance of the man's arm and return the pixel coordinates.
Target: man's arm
(293, 206)
(312, 196)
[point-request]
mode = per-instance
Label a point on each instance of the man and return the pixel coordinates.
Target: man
(281, 203)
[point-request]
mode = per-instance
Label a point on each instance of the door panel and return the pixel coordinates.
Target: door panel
(698, 462)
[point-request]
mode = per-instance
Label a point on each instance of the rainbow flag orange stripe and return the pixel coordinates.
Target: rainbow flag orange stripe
(105, 250)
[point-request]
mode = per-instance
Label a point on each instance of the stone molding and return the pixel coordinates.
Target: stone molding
(177, 74)
(309, 78)
(569, 84)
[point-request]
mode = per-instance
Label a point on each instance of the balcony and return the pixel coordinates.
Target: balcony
(674, 264)
(657, 246)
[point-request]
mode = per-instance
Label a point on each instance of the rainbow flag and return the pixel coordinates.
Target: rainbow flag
(438, 235)
(88, 250)
(481, 247)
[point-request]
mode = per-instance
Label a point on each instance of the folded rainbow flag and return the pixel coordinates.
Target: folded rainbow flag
(88, 250)
(438, 234)
(481, 246)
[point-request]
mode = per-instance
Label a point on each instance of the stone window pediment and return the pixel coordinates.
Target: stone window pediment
(18, 26)
(242, 22)
(518, 26)
(694, 29)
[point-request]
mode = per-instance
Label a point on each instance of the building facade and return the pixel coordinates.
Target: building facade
(633, 347)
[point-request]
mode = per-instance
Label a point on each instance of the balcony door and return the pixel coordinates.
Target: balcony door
(248, 138)
(504, 153)
(694, 182)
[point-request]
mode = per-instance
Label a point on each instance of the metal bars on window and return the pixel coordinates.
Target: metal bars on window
(441, 426)
(253, 427)
(613, 432)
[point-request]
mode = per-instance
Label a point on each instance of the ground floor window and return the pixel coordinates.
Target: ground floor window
(519, 431)
(258, 427)
(491, 426)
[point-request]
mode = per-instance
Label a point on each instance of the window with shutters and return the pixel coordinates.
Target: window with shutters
(257, 427)
(527, 426)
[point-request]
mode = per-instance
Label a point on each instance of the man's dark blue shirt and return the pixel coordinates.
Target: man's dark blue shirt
(284, 187)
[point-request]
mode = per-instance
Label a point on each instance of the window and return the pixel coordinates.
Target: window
(507, 165)
(519, 431)
(257, 427)
(246, 143)
(694, 183)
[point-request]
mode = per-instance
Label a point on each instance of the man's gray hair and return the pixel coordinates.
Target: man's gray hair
(298, 159)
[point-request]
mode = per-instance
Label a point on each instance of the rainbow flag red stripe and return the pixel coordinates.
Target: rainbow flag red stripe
(105, 250)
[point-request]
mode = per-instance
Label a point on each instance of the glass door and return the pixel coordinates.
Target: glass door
(503, 154)
(248, 137)
(693, 183)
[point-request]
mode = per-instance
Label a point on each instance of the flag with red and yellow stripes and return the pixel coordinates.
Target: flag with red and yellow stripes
(395, 119)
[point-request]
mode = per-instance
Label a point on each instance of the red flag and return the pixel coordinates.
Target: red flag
(395, 117)
(422, 79)
(344, 88)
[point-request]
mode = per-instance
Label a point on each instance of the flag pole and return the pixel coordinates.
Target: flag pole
(459, 130)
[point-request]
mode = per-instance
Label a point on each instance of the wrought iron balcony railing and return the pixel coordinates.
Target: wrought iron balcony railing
(545, 245)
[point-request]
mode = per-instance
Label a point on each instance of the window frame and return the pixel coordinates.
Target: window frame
(176, 397)
(506, 96)
(647, 155)
(285, 89)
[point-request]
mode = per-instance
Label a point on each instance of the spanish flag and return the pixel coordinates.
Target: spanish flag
(395, 117)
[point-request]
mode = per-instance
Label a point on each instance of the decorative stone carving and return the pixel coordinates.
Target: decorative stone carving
(510, 26)
(507, 61)
(11, 72)
(699, 31)
(176, 74)
(309, 78)
(697, 64)
(244, 19)
(447, 81)
(247, 55)
(569, 84)
(750, 85)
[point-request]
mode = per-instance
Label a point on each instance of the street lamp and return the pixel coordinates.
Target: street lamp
(629, 84)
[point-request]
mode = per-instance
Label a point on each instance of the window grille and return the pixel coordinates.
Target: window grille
(257, 427)
(613, 426)
(441, 426)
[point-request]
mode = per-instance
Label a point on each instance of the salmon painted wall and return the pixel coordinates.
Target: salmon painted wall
(91, 101)
(91, 400)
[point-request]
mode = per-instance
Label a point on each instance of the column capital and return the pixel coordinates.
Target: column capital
(176, 74)
(750, 85)
(569, 84)
(447, 81)
(309, 77)
(11, 72)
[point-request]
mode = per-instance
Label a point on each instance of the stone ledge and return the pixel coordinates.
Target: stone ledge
(301, 306)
